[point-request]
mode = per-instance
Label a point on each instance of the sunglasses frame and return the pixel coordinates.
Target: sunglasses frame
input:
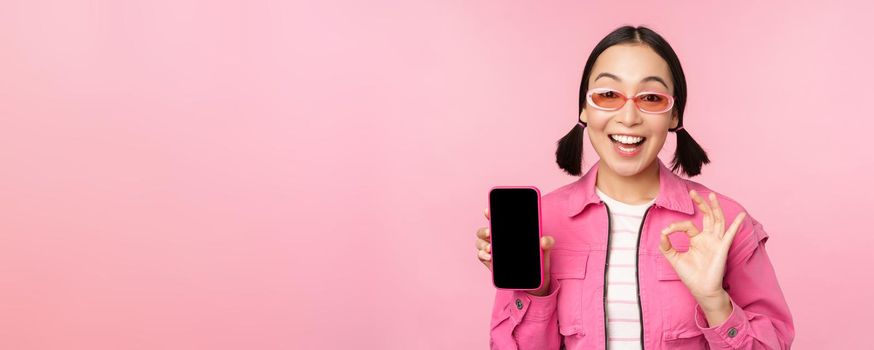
(626, 98)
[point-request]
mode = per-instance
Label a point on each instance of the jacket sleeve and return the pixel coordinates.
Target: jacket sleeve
(760, 317)
(522, 321)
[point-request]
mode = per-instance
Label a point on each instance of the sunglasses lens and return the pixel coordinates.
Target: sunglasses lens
(653, 102)
(608, 99)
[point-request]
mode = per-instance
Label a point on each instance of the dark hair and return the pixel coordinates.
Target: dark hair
(689, 155)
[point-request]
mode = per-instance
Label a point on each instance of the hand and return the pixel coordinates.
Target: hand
(702, 267)
(484, 253)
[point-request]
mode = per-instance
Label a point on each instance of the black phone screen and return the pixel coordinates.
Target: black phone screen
(515, 237)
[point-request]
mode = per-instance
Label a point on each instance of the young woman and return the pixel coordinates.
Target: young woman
(615, 275)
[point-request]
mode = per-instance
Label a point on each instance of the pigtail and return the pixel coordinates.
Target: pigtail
(569, 153)
(689, 155)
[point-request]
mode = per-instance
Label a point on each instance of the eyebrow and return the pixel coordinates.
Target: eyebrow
(649, 78)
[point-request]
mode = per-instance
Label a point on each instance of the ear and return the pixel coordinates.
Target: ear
(583, 117)
(675, 119)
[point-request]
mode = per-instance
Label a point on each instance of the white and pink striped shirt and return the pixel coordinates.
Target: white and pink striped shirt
(623, 310)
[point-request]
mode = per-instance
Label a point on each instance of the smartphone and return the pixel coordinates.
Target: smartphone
(517, 260)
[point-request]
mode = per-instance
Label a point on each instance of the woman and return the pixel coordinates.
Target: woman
(618, 277)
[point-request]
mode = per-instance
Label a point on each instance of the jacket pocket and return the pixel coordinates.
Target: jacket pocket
(687, 335)
(678, 307)
(569, 269)
(664, 270)
(685, 338)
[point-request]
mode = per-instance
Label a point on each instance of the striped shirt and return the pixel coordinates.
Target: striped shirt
(623, 308)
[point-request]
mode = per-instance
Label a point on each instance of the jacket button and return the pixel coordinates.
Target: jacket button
(519, 304)
(732, 332)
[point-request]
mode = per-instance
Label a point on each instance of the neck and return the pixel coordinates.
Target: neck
(635, 189)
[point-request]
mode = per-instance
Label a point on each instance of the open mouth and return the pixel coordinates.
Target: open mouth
(627, 149)
(628, 145)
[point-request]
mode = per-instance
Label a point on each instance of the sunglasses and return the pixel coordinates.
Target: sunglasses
(607, 99)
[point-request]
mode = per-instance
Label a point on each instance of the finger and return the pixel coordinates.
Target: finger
(486, 213)
(718, 216)
(487, 263)
(483, 256)
(685, 226)
(489, 248)
(480, 244)
(732, 230)
(705, 209)
(666, 247)
(484, 234)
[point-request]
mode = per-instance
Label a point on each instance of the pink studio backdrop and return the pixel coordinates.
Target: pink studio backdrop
(275, 175)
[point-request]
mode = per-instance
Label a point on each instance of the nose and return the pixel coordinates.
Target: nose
(629, 114)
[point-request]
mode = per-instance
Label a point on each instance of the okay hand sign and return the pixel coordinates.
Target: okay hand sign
(702, 267)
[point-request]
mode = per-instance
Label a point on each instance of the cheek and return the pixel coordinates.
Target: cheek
(599, 138)
(656, 144)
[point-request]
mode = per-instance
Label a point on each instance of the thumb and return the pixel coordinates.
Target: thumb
(546, 243)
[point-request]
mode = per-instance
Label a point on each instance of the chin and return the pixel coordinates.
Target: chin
(628, 167)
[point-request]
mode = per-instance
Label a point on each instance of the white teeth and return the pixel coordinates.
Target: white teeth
(626, 139)
(627, 149)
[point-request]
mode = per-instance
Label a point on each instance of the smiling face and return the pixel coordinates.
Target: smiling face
(629, 69)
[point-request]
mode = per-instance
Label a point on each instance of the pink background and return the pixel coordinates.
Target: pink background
(275, 175)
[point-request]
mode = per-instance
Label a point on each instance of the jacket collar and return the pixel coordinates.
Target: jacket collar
(673, 193)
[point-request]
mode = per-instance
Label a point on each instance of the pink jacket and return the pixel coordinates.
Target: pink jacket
(572, 315)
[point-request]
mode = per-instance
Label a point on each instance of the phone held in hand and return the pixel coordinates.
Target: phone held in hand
(517, 260)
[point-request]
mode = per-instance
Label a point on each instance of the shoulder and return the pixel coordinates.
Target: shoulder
(751, 232)
(560, 194)
(555, 205)
(559, 200)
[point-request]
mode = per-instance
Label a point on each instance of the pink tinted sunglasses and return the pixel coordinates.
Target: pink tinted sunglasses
(607, 99)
